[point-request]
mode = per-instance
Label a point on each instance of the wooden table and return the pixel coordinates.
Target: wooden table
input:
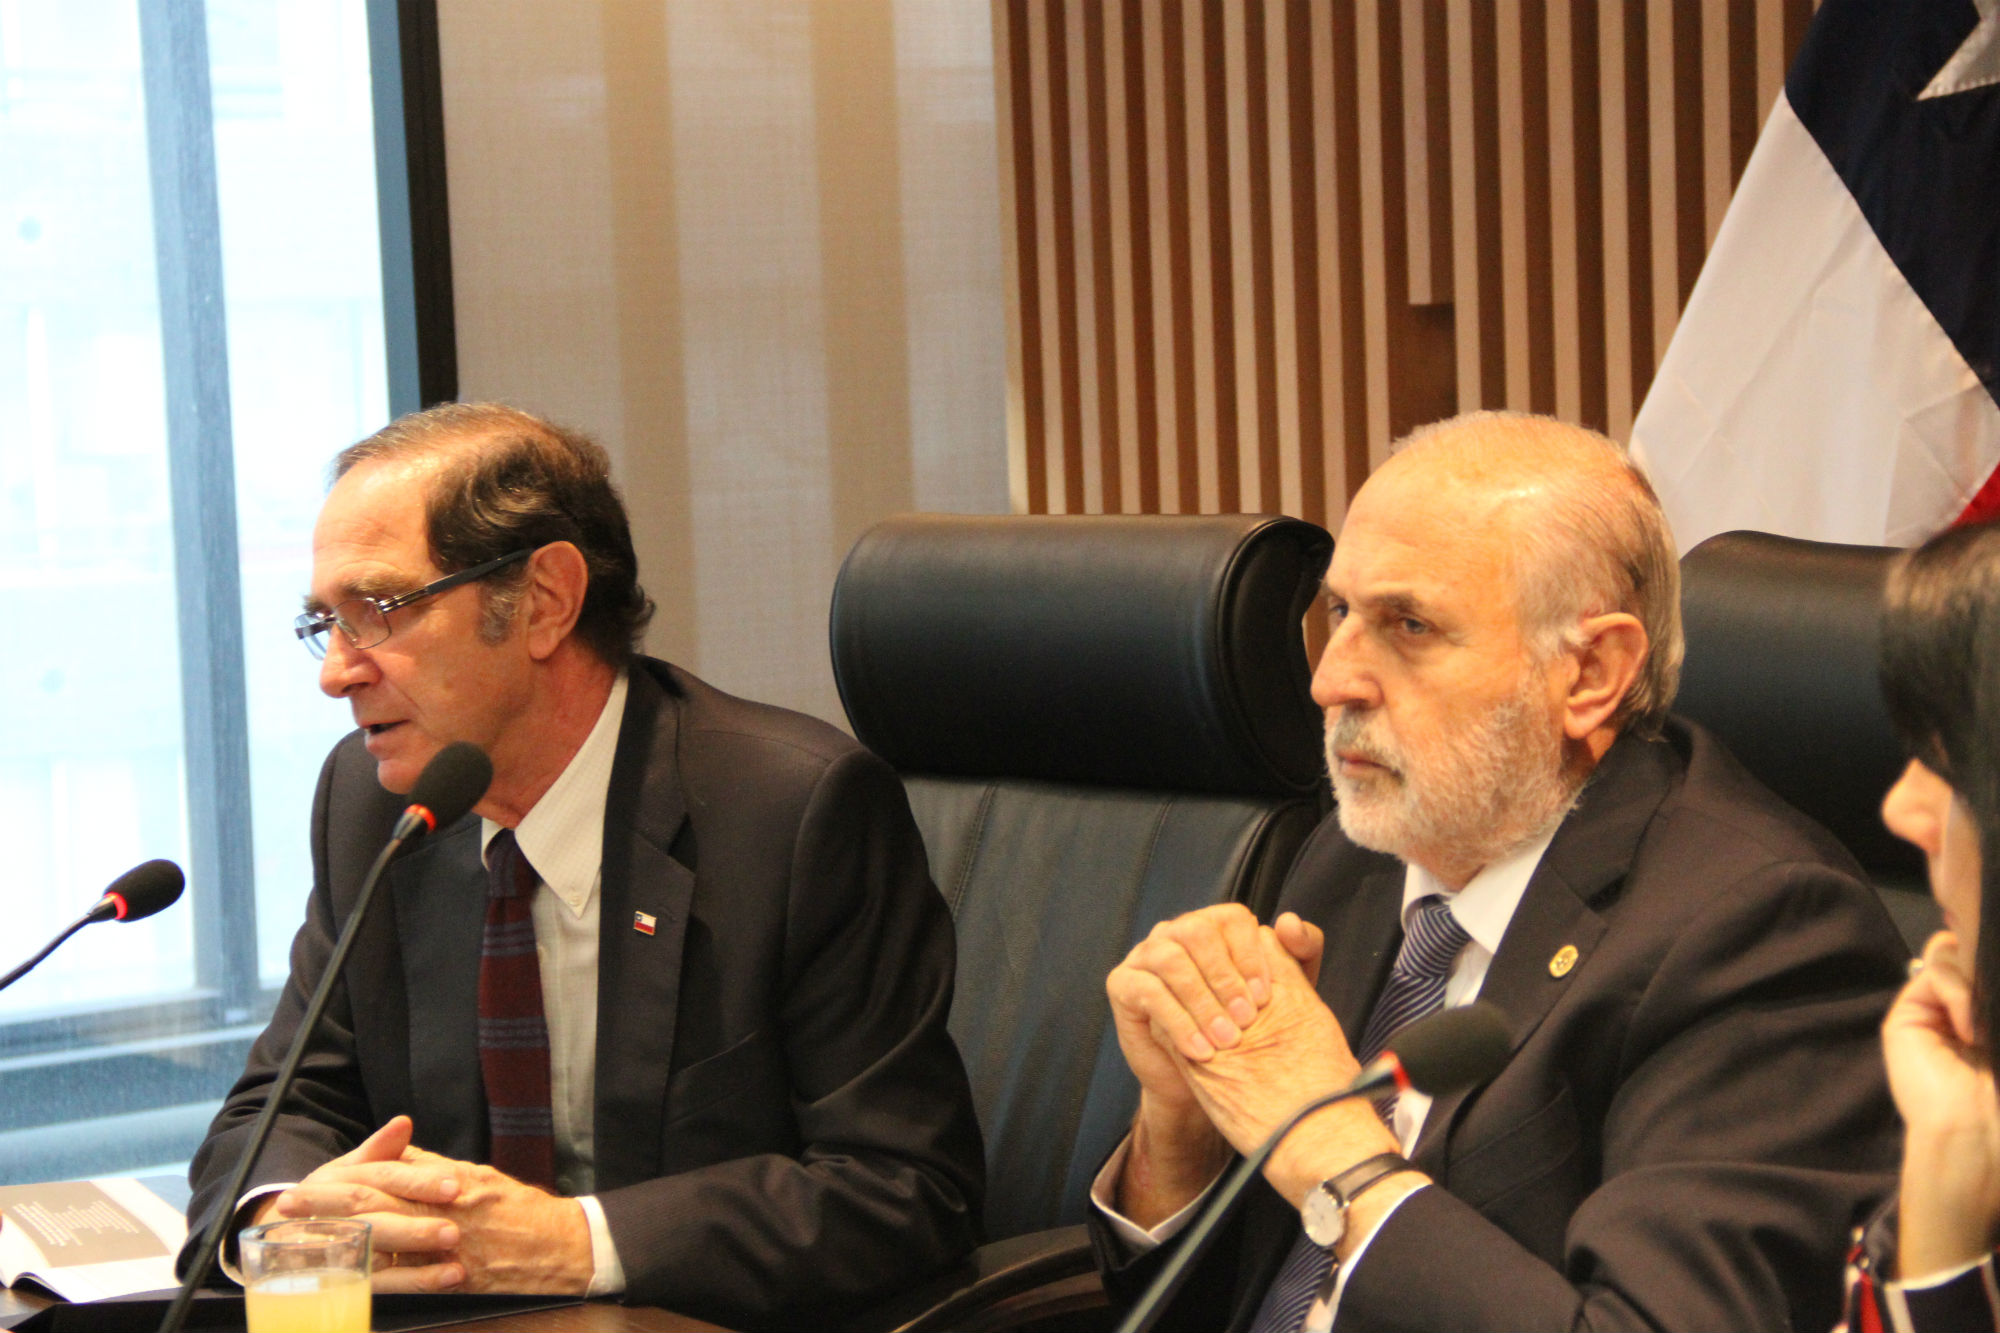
(596, 1317)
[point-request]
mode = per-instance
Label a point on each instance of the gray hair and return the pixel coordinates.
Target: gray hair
(1596, 541)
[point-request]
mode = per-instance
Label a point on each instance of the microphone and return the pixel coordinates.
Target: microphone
(139, 892)
(1453, 1049)
(450, 785)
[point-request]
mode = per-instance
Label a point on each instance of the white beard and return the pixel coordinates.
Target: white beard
(1496, 786)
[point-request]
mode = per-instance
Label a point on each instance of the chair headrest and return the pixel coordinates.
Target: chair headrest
(1782, 638)
(1156, 652)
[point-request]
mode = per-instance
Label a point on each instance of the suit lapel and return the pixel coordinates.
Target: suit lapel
(1363, 932)
(638, 973)
(1587, 859)
(439, 891)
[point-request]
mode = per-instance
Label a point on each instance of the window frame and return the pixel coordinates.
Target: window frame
(174, 1041)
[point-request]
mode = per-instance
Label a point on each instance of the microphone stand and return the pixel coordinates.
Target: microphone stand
(86, 919)
(218, 1228)
(1201, 1235)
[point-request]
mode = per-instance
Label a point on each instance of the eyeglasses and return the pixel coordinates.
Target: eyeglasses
(365, 620)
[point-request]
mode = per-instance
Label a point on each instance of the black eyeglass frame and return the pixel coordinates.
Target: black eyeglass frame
(308, 627)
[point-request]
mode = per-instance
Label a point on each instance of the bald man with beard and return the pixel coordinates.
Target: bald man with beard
(1693, 1109)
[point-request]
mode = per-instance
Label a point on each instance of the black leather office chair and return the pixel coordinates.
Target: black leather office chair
(1782, 637)
(1102, 722)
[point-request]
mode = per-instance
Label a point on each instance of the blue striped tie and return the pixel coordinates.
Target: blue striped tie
(1416, 987)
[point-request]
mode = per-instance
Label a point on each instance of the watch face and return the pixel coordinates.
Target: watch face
(1325, 1217)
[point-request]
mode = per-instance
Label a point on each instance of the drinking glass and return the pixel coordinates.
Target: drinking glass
(309, 1275)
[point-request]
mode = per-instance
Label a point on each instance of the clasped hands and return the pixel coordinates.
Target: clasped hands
(440, 1224)
(1219, 1018)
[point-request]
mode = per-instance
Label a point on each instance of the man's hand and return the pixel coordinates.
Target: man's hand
(1190, 988)
(404, 1203)
(441, 1224)
(1294, 1052)
(515, 1238)
(1950, 1202)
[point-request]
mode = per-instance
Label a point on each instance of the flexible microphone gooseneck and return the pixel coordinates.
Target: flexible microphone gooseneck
(138, 893)
(1443, 1053)
(451, 783)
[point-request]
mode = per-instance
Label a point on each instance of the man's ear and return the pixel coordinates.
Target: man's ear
(1607, 664)
(557, 581)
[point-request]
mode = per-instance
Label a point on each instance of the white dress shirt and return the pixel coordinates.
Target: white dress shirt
(563, 838)
(1483, 908)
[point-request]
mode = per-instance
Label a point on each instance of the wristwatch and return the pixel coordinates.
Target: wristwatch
(1325, 1208)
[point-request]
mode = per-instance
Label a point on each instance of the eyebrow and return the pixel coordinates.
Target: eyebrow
(378, 585)
(1395, 602)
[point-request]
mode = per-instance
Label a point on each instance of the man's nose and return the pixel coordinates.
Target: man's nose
(345, 668)
(1343, 678)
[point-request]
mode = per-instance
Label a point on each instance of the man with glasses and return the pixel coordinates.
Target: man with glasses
(667, 1020)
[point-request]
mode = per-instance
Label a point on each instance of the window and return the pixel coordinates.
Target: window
(194, 316)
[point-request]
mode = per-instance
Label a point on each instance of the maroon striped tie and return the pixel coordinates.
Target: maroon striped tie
(513, 1032)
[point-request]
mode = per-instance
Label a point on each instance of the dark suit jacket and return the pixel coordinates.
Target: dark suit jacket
(783, 1124)
(1691, 1118)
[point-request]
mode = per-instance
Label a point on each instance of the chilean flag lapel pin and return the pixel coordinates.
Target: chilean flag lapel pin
(644, 922)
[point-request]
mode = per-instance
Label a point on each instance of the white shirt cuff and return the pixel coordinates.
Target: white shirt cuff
(607, 1276)
(1939, 1278)
(226, 1258)
(1137, 1239)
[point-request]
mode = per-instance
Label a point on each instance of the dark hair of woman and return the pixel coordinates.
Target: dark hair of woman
(1940, 623)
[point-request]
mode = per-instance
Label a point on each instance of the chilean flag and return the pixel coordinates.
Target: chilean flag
(1836, 374)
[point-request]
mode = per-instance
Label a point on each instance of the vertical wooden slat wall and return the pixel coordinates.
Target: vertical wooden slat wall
(1250, 242)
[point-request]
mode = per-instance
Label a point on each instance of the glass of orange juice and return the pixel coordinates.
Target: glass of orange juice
(309, 1275)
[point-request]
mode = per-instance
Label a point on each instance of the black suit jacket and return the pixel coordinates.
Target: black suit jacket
(783, 1124)
(1691, 1118)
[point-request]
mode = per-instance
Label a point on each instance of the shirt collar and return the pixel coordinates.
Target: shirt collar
(562, 835)
(1486, 904)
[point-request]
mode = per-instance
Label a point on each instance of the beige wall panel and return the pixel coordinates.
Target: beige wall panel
(952, 257)
(1284, 293)
(1716, 98)
(1370, 113)
(1472, 389)
(1512, 97)
(1236, 362)
(1122, 225)
(1060, 367)
(1196, 55)
(1565, 265)
(755, 308)
(701, 231)
(1338, 389)
(1427, 212)
(1017, 212)
(1772, 54)
(1663, 181)
(1170, 332)
(1084, 454)
(1621, 397)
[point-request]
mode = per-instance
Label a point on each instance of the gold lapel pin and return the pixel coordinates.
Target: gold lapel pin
(1564, 960)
